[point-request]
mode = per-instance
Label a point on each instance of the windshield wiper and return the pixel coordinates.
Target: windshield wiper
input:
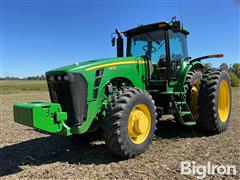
(152, 38)
(161, 43)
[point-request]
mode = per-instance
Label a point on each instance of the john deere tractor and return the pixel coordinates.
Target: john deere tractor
(125, 96)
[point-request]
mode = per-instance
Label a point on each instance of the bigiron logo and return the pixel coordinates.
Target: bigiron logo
(201, 171)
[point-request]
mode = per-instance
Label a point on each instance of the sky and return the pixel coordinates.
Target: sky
(39, 35)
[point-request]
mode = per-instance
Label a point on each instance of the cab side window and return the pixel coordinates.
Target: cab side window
(178, 51)
(178, 46)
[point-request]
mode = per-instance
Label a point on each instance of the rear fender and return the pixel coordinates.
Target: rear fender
(186, 67)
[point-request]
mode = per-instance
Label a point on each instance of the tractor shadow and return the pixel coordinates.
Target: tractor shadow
(51, 149)
(169, 129)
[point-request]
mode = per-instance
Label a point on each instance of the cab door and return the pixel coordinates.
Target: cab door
(178, 52)
(158, 56)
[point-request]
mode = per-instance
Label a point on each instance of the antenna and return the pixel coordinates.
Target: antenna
(174, 18)
(180, 10)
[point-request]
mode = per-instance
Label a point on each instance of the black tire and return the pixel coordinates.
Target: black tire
(87, 137)
(209, 115)
(115, 126)
(192, 78)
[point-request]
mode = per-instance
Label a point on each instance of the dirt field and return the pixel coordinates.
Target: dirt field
(26, 153)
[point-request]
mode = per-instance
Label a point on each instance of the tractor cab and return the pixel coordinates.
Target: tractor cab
(164, 45)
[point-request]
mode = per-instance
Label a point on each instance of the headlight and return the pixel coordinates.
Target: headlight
(68, 77)
(59, 78)
(51, 78)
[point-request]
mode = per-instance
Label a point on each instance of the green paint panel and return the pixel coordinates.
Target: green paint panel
(42, 115)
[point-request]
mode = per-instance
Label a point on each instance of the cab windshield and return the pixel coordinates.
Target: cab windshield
(152, 46)
(149, 44)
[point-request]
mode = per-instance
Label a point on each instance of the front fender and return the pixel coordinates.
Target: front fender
(96, 93)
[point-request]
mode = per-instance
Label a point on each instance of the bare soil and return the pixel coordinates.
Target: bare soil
(27, 153)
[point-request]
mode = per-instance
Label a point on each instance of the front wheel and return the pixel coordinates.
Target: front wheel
(131, 123)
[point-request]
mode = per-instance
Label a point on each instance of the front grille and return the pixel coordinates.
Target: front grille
(70, 91)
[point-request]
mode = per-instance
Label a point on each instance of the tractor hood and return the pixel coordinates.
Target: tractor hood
(92, 64)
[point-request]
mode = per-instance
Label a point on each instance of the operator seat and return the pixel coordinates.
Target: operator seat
(162, 63)
(158, 74)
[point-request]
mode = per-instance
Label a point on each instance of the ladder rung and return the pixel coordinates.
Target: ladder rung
(182, 109)
(190, 123)
(183, 113)
(179, 93)
(180, 102)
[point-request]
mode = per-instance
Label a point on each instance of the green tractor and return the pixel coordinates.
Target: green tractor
(125, 96)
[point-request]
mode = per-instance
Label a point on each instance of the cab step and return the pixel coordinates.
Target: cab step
(184, 113)
(190, 123)
(182, 109)
(180, 102)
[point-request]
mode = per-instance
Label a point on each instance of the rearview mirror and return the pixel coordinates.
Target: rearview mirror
(113, 41)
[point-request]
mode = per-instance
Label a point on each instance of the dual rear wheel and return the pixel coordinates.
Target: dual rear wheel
(209, 98)
(215, 101)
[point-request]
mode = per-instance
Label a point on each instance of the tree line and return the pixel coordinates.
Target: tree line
(41, 77)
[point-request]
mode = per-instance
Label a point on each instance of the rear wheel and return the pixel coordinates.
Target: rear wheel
(130, 126)
(215, 101)
(192, 87)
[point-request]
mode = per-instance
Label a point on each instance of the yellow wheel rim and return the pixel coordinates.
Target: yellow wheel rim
(223, 101)
(194, 98)
(139, 123)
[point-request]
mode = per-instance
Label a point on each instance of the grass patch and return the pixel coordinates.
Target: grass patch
(8, 87)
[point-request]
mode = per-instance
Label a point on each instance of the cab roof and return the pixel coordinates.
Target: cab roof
(151, 27)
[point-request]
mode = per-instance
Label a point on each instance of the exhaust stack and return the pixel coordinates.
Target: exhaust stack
(119, 43)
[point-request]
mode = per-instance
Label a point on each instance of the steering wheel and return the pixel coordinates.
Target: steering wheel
(145, 48)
